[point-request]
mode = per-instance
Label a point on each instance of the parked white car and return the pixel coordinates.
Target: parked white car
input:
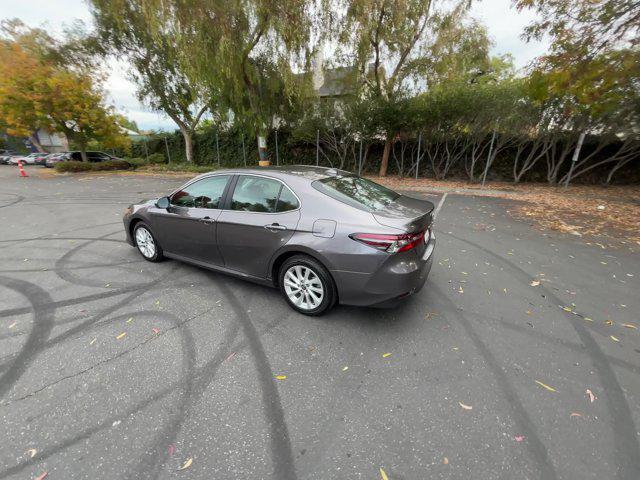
(31, 159)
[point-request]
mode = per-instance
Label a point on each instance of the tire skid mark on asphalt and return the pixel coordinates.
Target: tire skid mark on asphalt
(18, 199)
(204, 376)
(81, 267)
(576, 347)
(51, 236)
(519, 414)
(626, 446)
(280, 442)
(41, 329)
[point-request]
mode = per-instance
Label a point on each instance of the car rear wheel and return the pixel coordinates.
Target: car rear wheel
(307, 285)
(147, 244)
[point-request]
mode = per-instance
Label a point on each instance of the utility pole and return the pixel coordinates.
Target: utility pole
(218, 149)
(166, 146)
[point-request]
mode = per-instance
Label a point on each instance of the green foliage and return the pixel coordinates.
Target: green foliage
(156, 158)
(73, 166)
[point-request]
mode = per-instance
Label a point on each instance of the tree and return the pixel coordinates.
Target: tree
(163, 83)
(591, 75)
(39, 90)
(398, 47)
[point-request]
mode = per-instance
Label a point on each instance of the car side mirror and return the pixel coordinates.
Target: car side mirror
(163, 203)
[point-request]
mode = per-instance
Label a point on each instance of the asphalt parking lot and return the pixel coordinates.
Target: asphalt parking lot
(115, 368)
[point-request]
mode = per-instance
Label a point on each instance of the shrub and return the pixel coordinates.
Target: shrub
(73, 166)
(156, 158)
(136, 162)
(111, 165)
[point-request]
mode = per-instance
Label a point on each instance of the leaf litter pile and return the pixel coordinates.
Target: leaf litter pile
(579, 210)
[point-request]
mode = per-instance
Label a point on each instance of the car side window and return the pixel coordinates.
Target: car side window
(255, 194)
(287, 200)
(205, 193)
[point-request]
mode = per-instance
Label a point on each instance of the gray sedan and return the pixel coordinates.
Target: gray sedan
(320, 235)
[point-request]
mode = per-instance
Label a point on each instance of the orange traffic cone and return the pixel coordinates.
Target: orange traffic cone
(22, 172)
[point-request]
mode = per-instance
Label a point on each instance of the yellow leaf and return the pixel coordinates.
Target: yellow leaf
(466, 407)
(608, 322)
(121, 336)
(385, 355)
(629, 325)
(130, 320)
(383, 475)
(92, 341)
(186, 464)
(281, 377)
(544, 385)
(344, 369)
(535, 283)
(31, 452)
(566, 309)
(614, 338)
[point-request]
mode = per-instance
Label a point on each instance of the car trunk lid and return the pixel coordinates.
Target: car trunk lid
(406, 213)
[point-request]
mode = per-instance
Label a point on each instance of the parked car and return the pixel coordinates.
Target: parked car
(76, 156)
(322, 236)
(31, 159)
(54, 158)
(5, 156)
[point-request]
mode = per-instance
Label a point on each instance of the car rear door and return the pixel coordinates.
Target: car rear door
(188, 227)
(261, 215)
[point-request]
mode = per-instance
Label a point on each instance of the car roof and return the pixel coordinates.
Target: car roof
(298, 172)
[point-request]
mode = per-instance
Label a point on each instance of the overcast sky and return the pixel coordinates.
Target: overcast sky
(504, 23)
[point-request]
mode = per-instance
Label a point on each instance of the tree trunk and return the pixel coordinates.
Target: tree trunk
(188, 144)
(83, 152)
(385, 156)
(36, 143)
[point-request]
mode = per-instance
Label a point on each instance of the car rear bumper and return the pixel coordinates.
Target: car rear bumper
(392, 283)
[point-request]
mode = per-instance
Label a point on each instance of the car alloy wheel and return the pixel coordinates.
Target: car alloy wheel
(303, 287)
(145, 242)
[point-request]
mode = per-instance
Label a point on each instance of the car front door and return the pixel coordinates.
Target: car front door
(188, 227)
(261, 217)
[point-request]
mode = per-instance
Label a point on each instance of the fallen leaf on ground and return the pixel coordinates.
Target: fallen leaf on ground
(445, 461)
(385, 355)
(344, 369)
(13, 324)
(566, 309)
(629, 325)
(518, 438)
(42, 476)
(575, 414)
(466, 407)
(121, 336)
(186, 464)
(281, 377)
(155, 330)
(31, 452)
(544, 385)
(608, 322)
(535, 283)
(383, 475)
(615, 339)
(590, 394)
(130, 319)
(460, 290)
(93, 341)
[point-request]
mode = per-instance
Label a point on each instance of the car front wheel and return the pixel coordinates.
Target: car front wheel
(307, 285)
(147, 244)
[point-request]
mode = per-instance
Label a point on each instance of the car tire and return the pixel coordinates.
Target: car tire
(307, 285)
(146, 243)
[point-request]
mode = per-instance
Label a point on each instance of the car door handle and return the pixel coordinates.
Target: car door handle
(206, 220)
(275, 226)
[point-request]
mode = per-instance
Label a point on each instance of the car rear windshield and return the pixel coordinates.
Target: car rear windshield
(357, 192)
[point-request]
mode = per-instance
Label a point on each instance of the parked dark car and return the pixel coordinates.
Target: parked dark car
(320, 235)
(76, 156)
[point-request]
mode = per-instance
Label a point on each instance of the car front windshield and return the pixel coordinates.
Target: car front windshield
(357, 192)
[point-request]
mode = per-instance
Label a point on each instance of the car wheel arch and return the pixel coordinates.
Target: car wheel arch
(280, 257)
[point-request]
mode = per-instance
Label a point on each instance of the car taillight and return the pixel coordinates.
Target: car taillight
(390, 243)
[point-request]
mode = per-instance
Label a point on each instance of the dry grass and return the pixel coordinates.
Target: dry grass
(612, 212)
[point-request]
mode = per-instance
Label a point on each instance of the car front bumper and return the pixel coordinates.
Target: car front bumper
(397, 279)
